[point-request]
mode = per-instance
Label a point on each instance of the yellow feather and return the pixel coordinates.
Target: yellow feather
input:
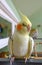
(25, 19)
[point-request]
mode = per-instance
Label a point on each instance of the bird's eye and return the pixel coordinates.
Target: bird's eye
(23, 24)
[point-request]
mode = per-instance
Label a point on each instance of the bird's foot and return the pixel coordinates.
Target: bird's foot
(25, 59)
(12, 60)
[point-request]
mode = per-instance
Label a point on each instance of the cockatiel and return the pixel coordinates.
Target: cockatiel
(21, 44)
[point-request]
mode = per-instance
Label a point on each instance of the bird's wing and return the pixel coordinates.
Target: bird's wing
(10, 46)
(31, 45)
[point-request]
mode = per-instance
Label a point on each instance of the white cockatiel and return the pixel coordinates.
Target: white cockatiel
(21, 44)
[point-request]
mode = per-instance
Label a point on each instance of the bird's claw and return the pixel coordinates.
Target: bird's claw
(12, 60)
(25, 59)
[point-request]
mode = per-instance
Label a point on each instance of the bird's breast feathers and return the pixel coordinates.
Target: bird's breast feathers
(20, 44)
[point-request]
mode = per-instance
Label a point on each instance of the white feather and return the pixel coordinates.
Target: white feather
(20, 44)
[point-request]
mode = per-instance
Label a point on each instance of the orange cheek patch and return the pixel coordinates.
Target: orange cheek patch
(19, 26)
(29, 27)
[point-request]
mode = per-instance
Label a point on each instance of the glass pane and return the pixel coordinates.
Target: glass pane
(5, 28)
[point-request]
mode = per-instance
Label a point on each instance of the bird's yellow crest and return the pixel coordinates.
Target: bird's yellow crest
(25, 19)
